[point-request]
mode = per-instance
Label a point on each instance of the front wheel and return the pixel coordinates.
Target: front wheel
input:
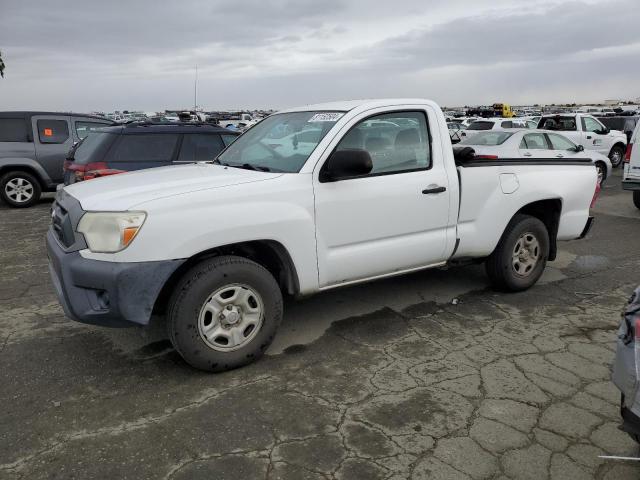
(636, 198)
(224, 313)
(521, 255)
(616, 155)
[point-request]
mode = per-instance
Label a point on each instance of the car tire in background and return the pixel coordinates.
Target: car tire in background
(616, 155)
(602, 172)
(521, 255)
(636, 198)
(19, 189)
(224, 313)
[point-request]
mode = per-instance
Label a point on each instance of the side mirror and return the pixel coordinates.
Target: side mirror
(579, 148)
(346, 164)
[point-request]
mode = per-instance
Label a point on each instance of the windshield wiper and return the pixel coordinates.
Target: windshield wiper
(246, 166)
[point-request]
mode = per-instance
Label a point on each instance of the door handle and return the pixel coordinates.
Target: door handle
(588, 137)
(431, 190)
(560, 155)
(526, 154)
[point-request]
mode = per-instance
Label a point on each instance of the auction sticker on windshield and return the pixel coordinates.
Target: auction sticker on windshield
(326, 117)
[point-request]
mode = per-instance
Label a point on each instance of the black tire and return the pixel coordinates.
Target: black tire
(636, 198)
(193, 291)
(617, 152)
(26, 180)
(500, 264)
(602, 169)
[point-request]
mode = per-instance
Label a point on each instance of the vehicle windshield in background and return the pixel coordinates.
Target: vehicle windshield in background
(562, 124)
(91, 145)
(487, 138)
(480, 126)
(281, 142)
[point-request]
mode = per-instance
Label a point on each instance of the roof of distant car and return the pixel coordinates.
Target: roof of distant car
(30, 113)
(140, 128)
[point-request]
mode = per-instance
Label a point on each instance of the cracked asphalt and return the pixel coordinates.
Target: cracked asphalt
(388, 380)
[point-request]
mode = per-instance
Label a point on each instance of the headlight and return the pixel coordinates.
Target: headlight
(109, 232)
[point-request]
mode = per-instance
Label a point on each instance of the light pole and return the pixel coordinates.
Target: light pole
(195, 92)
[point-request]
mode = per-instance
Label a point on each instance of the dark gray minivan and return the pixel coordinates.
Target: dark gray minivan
(33, 148)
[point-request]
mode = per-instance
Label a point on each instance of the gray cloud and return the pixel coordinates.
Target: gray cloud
(141, 54)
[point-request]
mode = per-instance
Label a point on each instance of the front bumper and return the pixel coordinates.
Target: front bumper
(112, 294)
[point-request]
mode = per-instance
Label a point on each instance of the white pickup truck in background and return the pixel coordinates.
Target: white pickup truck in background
(589, 132)
(372, 191)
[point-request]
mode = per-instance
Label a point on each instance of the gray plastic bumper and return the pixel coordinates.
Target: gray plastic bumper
(106, 293)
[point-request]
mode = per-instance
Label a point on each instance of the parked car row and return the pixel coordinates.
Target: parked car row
(33, 146)
(540, 144)
(40, 150)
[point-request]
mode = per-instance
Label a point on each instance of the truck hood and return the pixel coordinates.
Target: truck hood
(125, 191)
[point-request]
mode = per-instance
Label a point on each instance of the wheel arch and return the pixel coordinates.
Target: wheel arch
(548, 212)
(620, 144)
(28, 167)
(271, 254)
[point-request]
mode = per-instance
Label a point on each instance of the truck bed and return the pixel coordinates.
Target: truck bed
(492, 192)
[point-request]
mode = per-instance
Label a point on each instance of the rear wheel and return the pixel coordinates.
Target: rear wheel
(636, 198)
(224, 313)
(19, 189)
(521, 255)
(616, 155)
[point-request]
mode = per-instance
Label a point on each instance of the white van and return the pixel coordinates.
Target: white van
(631, 178)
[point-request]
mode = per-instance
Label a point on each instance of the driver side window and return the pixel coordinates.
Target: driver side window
(591, 125)
(396, 142)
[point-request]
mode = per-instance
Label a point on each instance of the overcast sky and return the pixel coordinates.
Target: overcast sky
(141, 55)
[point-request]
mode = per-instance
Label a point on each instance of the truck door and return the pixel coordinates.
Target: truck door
(593, 136)
(396, 217)
(53, 140)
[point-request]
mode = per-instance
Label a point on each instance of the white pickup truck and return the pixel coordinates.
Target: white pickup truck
(589, 132)
(374, 192)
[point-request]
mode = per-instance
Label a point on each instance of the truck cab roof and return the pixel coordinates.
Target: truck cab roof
(365, 104)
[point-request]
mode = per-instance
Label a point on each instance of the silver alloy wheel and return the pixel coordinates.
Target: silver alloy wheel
(616, 157)
(231, 317)
(19, 190)
(526, 254)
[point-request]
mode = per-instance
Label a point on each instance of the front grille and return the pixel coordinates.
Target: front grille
(61, 224)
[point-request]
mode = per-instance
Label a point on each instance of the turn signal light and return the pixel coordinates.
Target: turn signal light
(128, 234)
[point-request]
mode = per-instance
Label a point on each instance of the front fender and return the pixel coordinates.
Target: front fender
(25, 163)
(182, 226)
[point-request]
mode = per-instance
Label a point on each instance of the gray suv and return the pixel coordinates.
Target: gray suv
(33, 148)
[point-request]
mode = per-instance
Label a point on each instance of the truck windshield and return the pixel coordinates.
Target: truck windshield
(563, 124)
(279, 143)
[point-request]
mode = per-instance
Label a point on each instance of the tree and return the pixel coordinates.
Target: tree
(1, 66)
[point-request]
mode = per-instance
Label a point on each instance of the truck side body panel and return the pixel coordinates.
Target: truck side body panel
(487, 207)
